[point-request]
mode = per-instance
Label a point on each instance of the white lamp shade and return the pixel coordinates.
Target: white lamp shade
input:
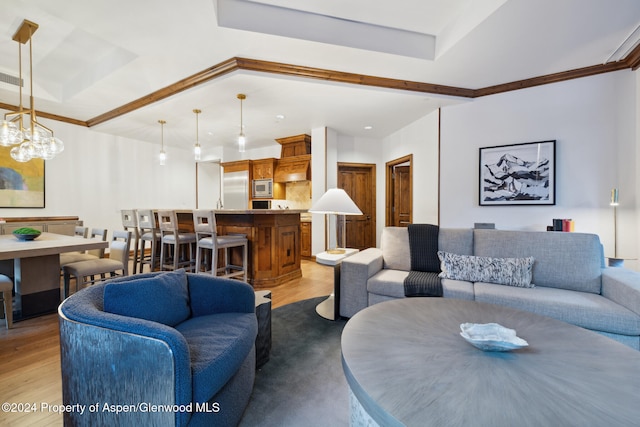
(335, 201)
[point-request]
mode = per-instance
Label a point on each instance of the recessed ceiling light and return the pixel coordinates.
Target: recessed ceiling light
(368, 127)
(280, 116)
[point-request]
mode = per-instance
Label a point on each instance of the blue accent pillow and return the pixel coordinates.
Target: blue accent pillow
(162, 298)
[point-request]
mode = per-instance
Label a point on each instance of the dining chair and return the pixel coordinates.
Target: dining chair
(176, 247)
(81, 231)
(92, 254)
(209, 242)
(85, 272)
(6, 288)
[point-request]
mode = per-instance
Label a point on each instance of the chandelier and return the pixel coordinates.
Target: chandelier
(197, 149)
(20, 128)
(241, 138)
(163, 154)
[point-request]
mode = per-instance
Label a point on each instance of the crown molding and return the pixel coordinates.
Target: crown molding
(633, 58)
(551, 78)
(631, 61)
(46, 115)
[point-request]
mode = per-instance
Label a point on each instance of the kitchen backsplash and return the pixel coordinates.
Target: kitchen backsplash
(298, 196)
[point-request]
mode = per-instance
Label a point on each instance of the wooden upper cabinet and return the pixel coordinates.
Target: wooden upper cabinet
(264, 168)
(237, 166)
(297, 145)
(295, 168)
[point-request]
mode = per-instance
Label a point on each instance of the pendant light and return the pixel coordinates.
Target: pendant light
(36, 141)
(197, 149)
(241, 138)
(163, 155)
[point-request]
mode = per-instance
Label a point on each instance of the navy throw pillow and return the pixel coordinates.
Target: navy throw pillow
(162, 298)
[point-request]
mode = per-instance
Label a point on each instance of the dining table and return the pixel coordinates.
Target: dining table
(34, 266)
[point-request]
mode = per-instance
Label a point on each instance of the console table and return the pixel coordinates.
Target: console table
(407, 365)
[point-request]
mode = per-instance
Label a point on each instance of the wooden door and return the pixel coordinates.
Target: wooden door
(402, 196)
(359, 181)
(399, 192)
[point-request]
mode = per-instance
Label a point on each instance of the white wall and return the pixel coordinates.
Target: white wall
(594, 121)
(420, 138)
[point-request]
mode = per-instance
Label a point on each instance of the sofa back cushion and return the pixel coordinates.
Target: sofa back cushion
(162, 298)
(456, 240)
(396, 253)
(562, 260)
(394, 244)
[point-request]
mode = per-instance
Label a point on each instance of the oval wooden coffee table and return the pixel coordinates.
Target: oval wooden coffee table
(407, 365)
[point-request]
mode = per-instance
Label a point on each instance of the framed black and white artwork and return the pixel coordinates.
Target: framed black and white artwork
(518, 174)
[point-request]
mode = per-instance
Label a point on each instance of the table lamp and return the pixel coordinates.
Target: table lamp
(336, 201)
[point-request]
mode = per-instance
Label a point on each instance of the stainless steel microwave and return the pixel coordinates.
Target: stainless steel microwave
(262, 188)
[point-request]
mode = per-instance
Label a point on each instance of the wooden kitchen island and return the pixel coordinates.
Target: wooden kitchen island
(274, 242)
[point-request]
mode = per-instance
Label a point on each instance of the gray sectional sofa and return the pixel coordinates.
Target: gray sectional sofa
(570, 281)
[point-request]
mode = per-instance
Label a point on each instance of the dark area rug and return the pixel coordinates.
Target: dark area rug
(302, 384)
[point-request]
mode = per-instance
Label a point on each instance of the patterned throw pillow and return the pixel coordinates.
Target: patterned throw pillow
(503, 271)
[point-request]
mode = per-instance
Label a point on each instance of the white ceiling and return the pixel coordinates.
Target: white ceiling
(92, 57)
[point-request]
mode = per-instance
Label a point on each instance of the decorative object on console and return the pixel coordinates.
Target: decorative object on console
(163, 155)
(197, 149)
(241, 138)
(336, 201)
(519, 174)
(36, 141)
(562, 224)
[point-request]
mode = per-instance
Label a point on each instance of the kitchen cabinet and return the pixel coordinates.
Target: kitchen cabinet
(305, 239)
(237, 166)
(274, 242)
(297, 145)
(263, 168)
(296, 168)
(288, 246)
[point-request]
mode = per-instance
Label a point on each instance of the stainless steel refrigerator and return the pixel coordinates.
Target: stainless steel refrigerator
(235, 190)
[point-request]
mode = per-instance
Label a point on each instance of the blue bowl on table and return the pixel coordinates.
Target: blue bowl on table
(26, 237)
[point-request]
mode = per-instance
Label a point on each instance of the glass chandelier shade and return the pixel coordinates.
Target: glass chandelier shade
(20, 128)
(197, 149)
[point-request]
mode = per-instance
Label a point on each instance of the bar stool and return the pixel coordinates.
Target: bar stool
(148, 232)
(6, 288)
(130, 222)
(171, 236)
(204, 223)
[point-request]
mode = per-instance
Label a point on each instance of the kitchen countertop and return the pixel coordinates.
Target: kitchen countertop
(260, 211)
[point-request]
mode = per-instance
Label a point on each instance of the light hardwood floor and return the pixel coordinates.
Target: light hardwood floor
(30, 353)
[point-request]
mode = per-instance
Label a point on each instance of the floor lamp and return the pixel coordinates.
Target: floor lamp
(615, 261)
(336, 201)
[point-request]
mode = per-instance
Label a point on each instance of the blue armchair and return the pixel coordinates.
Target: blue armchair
(168, 348)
